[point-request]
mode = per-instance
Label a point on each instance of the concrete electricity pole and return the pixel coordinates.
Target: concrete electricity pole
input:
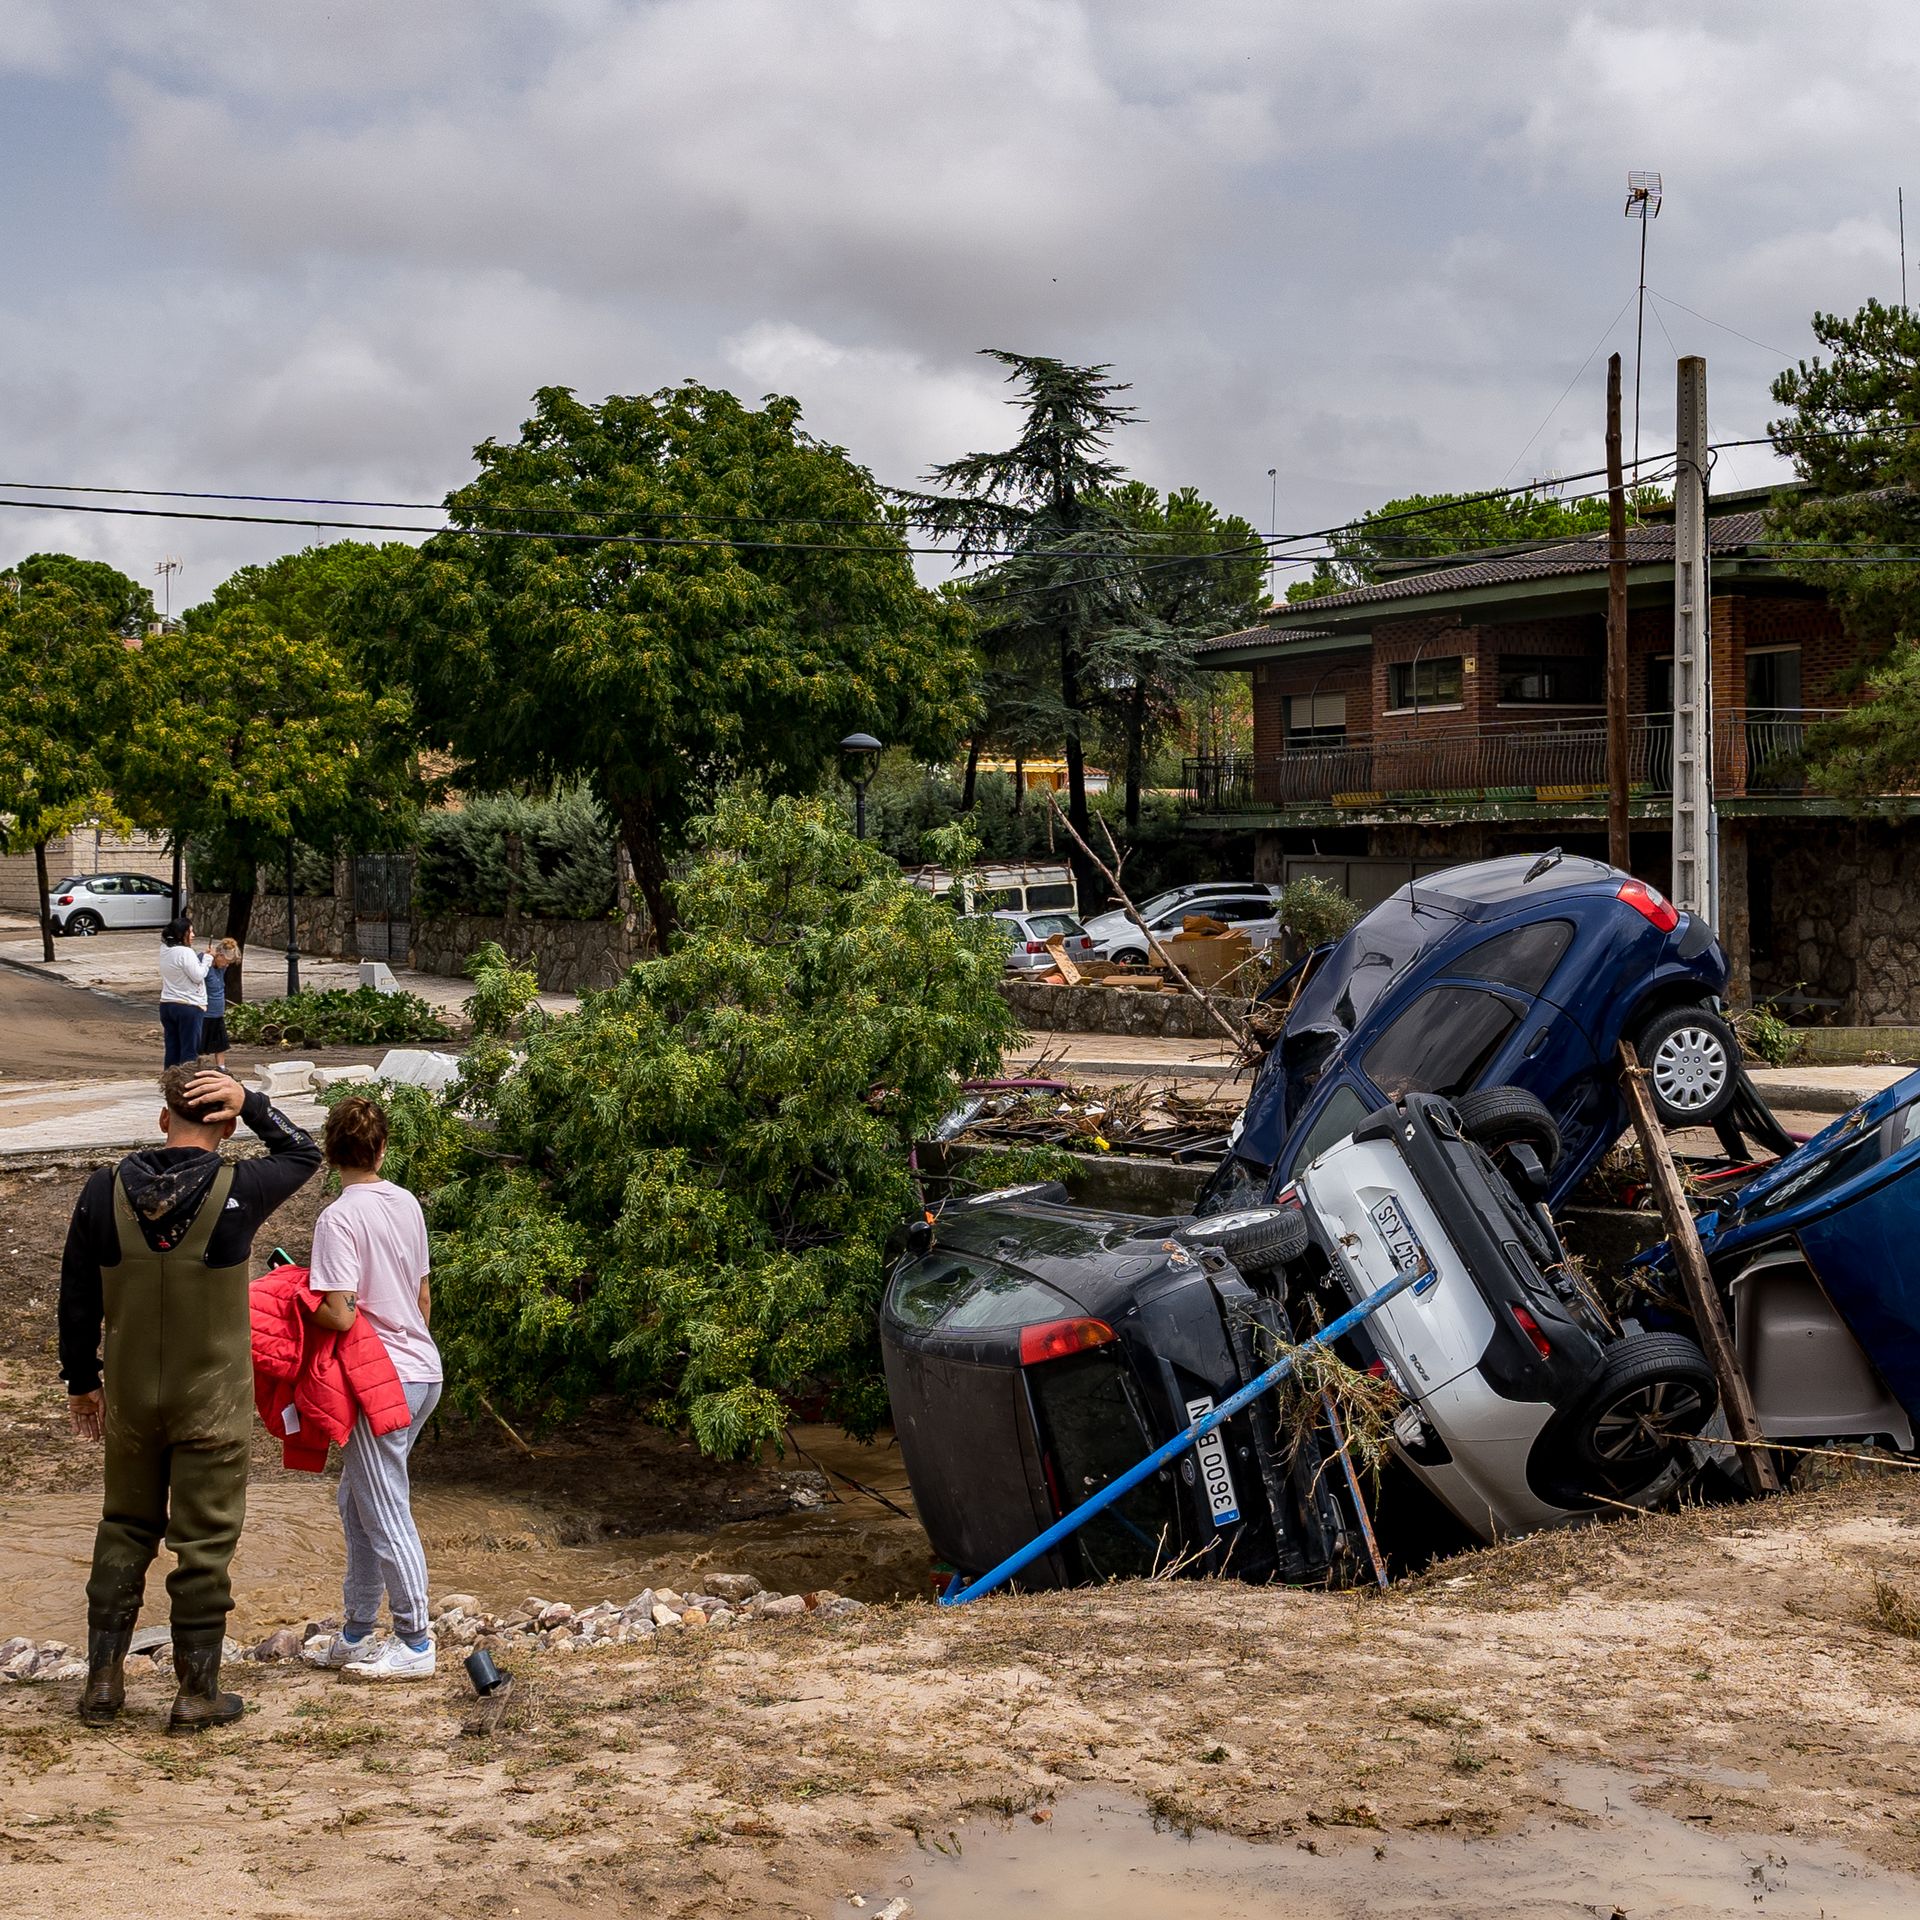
(1693, 822)
(1619, 845)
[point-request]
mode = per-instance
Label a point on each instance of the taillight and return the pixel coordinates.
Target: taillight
(1036, 946)
(1055, 1339)
(66, 900)
(1651, 902)
(1531, 1328)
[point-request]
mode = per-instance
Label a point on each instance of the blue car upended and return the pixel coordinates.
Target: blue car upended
(1818, 1260)
(1525, 971)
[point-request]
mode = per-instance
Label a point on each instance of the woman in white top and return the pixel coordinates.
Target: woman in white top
(369, 1262)
(183, 991)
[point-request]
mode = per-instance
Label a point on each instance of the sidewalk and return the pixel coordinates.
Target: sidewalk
(127, 964)
(45, 1118)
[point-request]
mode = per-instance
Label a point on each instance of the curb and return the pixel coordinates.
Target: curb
(36, 970)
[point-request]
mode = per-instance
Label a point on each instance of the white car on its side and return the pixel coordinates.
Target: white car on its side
(106, 902)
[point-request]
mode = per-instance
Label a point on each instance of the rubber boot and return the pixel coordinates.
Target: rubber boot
(106, 1690)
(200, 1703)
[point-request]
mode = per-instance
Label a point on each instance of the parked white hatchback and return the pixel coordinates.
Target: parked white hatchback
(105, 902)
(1244, 907)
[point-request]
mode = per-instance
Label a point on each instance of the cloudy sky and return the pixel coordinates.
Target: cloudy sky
(324, 246)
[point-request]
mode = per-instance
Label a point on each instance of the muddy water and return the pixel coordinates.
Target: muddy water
(1102, 1857)
(487, 1542)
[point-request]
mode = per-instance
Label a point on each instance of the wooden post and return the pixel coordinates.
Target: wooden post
(1736, 1398)
(1619, 846)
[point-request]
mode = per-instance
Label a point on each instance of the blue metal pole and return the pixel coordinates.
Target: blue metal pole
(957, 1595)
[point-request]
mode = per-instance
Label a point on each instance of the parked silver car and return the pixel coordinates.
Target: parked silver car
(1245, 907)
(1032, 931)
(106, 902)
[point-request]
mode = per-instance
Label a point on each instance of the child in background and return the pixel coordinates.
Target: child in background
(213, 1031)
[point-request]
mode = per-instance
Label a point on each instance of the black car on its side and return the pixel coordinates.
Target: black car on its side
(1035, 1350)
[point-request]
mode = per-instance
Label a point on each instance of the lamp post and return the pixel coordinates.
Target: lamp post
(858, 752)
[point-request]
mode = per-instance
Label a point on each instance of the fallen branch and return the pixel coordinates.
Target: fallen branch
(1112, 876)
(505, 1426)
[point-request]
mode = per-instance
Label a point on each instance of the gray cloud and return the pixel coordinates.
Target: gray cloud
(317, 249)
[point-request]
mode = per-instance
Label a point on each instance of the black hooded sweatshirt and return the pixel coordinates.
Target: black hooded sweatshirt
(165, 1186)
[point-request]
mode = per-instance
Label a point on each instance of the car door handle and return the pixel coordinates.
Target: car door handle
(1538, 1040)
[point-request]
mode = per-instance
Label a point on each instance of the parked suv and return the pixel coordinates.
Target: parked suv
(1525, 971)
(102, 902)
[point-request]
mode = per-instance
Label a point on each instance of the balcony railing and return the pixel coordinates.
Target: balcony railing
(1754, 751)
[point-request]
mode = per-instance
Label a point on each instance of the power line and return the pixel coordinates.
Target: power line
(1779, 353)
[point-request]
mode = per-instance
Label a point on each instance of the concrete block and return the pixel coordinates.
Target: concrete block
(379, 976)
(277, 1077)
(325, 1077)
(417, 1067)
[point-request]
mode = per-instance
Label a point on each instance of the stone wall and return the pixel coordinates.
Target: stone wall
(324, 922)
(570, 956)
(1150, 1015)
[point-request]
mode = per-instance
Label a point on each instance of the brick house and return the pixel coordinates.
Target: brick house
(1455, 709)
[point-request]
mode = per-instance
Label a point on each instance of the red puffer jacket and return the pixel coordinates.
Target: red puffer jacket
(325, 1379)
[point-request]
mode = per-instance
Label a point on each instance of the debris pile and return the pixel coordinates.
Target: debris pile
(1139, 1118)
(1206, 950)
(726, 1600)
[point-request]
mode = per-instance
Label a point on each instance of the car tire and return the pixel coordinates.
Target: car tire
(1129, 957)
(1256, 1239)
(86, 923)
(1654, 1392)
(1692, 1063)
(1496, 1117)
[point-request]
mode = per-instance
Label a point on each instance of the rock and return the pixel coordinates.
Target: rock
(666, 1597)
(640, 1607)
(840, 1606)
(558, 1614)
(18, 1644)
(64, 1667)
(783, 1606)
(284, 1643)
(694, 1617)
(559, 1638)
(896, 1909)
(459, 1603)
(275, 1078)
(664, 1615)
(19, 1665)
(733, 1586)
(231, 1649)
(721, 1617)
(640, 1629)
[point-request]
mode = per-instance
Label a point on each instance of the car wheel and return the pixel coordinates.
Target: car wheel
(1693, 1065)
(1496, 1117)
(1129, 957)
(1655, 1391)
(85, 922)
(1256, 1239)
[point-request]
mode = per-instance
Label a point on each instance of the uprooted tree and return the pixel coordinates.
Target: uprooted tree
(683, 1192)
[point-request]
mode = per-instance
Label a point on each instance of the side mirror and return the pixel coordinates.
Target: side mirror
(920, 1237)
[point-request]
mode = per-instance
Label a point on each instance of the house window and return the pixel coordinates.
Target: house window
(1424, 683)
(1773, 680)
(1549, 680)
(1315, 717)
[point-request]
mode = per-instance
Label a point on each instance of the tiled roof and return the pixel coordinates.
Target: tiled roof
(1259, 637)
(1646, 546)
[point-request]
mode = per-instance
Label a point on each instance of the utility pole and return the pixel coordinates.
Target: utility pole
(1644, 195)
(1693, 821)
(1619, 842)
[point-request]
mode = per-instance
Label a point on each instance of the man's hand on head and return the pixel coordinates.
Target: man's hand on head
(87, 1411)
(216, 1096)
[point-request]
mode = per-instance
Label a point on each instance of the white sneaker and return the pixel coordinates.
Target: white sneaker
(335, 1650)
(392, 1660)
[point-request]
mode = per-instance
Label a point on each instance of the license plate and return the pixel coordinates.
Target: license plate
(1402, 1243)
(1215, 1475)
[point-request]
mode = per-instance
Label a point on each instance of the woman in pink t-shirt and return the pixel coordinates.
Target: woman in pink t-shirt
(370, 1259)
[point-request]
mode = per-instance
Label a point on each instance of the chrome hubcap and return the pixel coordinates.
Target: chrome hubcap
(1690, 1069)
(1646, 1423)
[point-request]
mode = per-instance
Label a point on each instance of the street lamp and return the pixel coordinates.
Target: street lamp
(858, 752)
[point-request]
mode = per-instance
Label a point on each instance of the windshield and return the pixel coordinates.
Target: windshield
(1043, 926)
(1362, 967)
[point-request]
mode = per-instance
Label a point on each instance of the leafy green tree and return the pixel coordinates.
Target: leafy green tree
(1198, 573)
(1853, 436)
(248, 737)
(65, 691)
(124, 604)
(1430, 525)
(684, 1192)
(1061, 573)
(717, 594)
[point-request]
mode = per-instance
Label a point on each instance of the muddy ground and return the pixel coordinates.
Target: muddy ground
(1555, 1726)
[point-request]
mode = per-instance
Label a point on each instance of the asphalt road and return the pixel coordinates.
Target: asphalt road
(50, 1030)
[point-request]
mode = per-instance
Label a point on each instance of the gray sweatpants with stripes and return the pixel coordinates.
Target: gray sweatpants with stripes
(384, 1555)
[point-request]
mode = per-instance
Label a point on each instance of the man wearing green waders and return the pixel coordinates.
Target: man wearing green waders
(158, 1254)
